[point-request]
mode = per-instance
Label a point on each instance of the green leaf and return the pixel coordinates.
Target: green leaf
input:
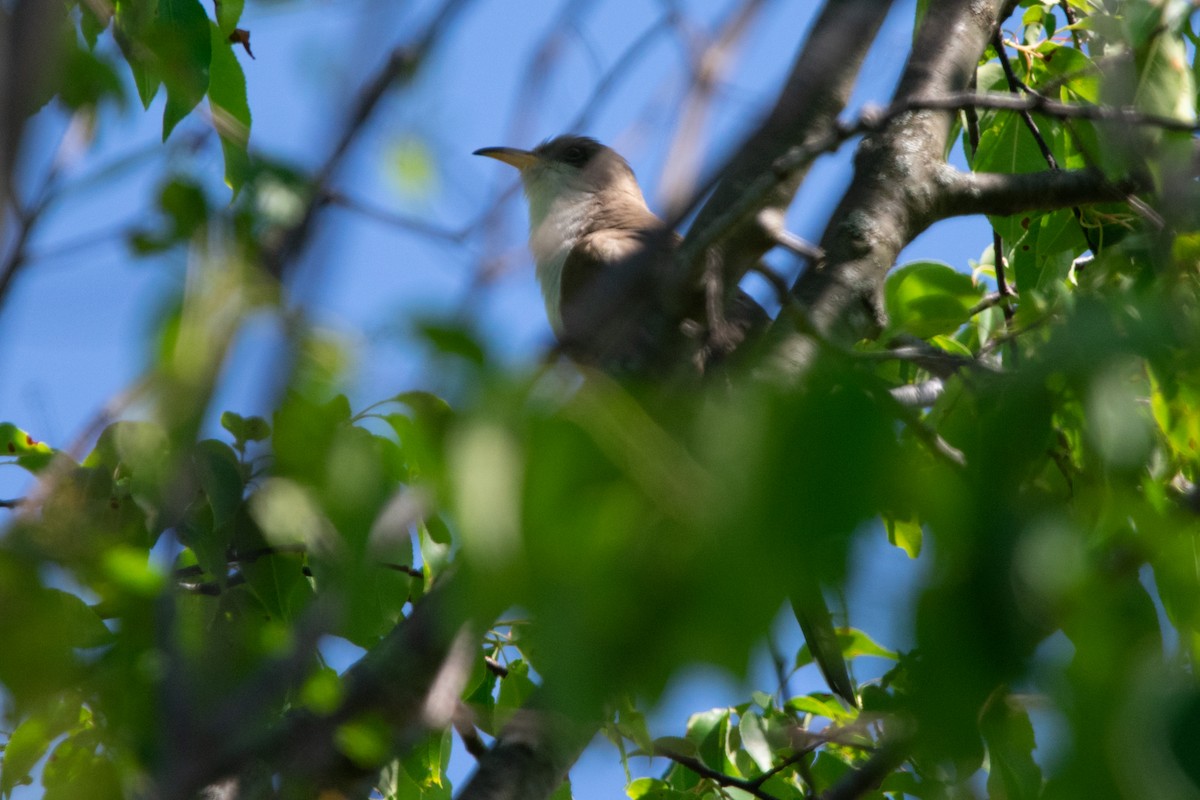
(515, 689)
(78, 762)
(1165, 85)
(133, 28)
(228, 14)
(655, 789)
(183, 44)
(245, 429)
(230, 108)
(426, 764)
(93, 20)
(454, 341)
(1078, 74)
(31, 454)
(754, 740)
(365, 741)
(1006, 145)
(30, 740)
(807, 704)
(926, 298)
(220, 476)
(905, 534)
(1008, 733)
(88, 79)
(675, 744)
(129, 569)
(709, 730)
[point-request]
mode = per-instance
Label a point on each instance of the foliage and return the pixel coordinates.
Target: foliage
(151, 590)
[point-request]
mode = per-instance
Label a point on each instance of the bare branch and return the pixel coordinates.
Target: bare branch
(816, 91)
(679, 175)
(400, 67)
(1002, 194)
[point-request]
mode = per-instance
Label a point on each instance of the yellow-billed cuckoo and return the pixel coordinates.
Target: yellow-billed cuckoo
(587, 220)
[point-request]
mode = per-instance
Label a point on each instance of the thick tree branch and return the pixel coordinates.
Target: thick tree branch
(404, 679)
(1001, 194)
(816, 91)
(867, 778)
(531, 757)
(890, 199)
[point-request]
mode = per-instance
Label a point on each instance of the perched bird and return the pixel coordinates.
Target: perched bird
(600, 252)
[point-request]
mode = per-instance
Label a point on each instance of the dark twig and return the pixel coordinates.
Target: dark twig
(1069, 13)
(401, 66)
(1004, 290)
(990, 300)
(720, 778)
(1016, 86)
(867, 777)
(679, 174)
(402, 221)
(27, 220)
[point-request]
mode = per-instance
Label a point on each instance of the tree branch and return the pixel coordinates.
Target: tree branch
(404, 679)
(400, 66)
(531, 757)
(867, 777)
(888, 201)
(697, 766)
(1001, 194)
(816, 91)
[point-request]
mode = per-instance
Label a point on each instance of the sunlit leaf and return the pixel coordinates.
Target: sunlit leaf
(926, 298)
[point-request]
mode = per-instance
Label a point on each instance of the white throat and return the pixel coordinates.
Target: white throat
(557, 220)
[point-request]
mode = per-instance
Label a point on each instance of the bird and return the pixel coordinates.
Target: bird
(599, 253)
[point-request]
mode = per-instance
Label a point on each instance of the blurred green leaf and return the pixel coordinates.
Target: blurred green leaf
(229, 12)
(30, 740)
(905, 534)
(926, 298)
(366, 741)
(80, 769)
(183, 46)
(1008, 733)
(230, 107)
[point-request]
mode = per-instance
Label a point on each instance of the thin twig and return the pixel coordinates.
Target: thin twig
(720, 778)
(1016, 86)
(400, 66)
(415, 224)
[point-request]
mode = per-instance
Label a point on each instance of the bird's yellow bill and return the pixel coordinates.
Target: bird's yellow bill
(521, 159)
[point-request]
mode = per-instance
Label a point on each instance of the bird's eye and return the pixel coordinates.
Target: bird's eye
(575, 155)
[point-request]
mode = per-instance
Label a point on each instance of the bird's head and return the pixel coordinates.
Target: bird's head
(572, 175)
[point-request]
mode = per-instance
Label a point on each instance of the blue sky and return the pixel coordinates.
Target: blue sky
(77, 327)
